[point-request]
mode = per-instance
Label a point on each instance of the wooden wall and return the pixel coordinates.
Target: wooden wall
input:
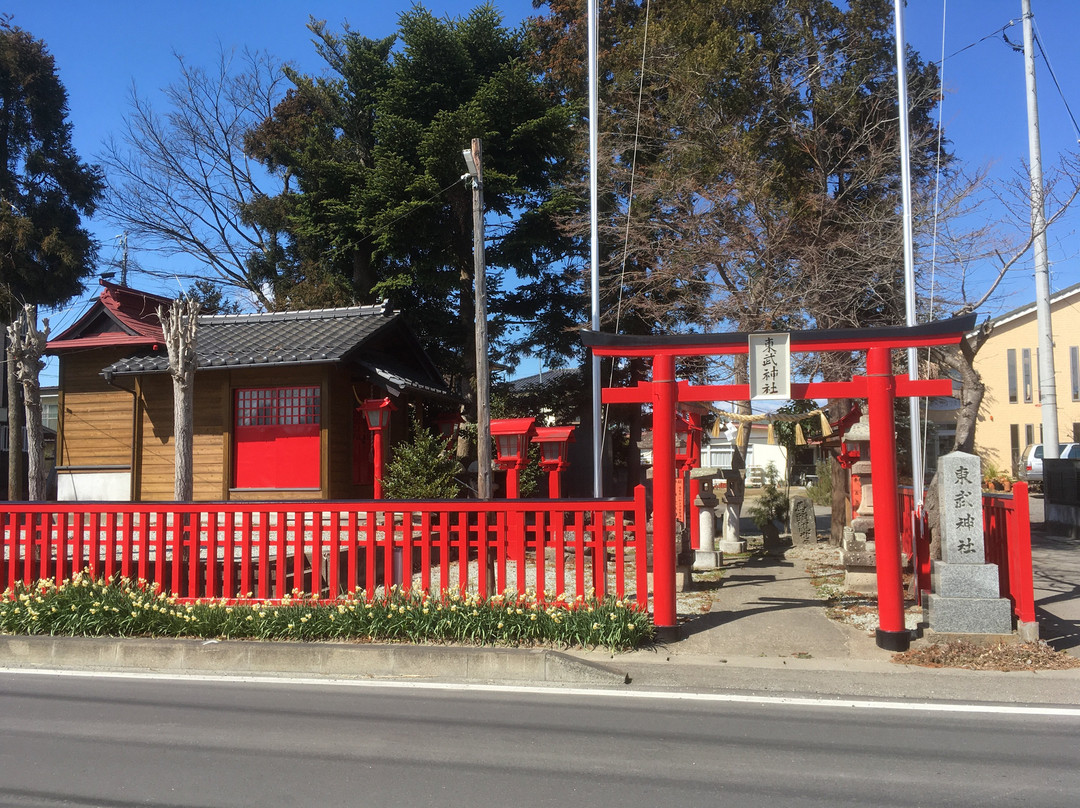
(100, 421)
(340, 402)
(95, 417)
(154, 474)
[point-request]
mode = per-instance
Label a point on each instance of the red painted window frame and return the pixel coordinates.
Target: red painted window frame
(276, 437)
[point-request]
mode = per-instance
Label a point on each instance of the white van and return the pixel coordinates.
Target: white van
(1031, 462)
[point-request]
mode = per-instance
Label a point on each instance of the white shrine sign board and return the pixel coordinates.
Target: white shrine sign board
(770, 366)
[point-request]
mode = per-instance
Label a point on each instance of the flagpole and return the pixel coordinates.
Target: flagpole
(594, 248)
(909, 250)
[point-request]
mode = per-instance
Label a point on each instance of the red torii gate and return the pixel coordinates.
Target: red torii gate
(879, 387)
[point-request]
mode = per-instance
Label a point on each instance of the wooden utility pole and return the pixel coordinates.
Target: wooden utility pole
(474, 160)
(27, 348)
(178, 325)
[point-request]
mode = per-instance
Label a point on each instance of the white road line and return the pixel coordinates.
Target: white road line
(649, 695)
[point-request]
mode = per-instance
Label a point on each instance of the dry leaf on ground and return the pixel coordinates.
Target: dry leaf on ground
(1028, 656)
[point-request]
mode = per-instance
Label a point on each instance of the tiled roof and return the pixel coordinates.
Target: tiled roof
(374, 338)
(304, 337)
(539, 380)
(391, 375)
(275, 338)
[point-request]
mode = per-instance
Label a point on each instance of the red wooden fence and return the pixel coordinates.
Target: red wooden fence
(266, 551)
(1007, 539)
(1007, 532)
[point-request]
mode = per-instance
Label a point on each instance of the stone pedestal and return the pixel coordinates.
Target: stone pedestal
(771, 540)
(706, 557)
(859, 558)
(731, 543)
(965, 593)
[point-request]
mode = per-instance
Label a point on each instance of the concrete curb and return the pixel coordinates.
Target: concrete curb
(285, 659)
(643, 670)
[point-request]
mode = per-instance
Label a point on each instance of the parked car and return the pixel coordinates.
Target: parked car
(1031, 461)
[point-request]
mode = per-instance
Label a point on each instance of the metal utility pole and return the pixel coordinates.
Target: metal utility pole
(474, 161)
(1047, 387)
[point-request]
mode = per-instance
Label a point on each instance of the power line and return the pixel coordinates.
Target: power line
(1050, 67)
(1000, 31)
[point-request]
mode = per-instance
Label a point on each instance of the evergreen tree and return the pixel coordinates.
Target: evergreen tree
(379, 208)
(45, 189)
(423, 468)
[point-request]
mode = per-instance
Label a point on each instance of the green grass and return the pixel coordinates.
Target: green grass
(90, 607)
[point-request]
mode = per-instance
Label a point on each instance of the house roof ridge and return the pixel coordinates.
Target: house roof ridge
(382, 308)
(1020, 311)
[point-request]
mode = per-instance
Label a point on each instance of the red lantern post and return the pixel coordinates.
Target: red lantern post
(554, 441)
(377, 412)
(687, 456)
(688, 440)
(511, 445)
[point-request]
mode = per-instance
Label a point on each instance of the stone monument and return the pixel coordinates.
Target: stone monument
(965, 595)
(802, 520)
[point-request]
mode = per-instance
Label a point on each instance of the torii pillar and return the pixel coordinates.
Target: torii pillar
(664, 396)
(881, 394)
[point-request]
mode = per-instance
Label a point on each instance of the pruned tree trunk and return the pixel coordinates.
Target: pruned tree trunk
(972, 390)
(178, 325)
(840, 480)
(838, 367)
(735, 494)
(27, 348)
(15, 428)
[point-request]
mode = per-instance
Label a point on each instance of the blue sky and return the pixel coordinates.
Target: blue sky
(103, 48)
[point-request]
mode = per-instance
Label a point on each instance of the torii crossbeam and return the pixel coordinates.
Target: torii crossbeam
(879, 387)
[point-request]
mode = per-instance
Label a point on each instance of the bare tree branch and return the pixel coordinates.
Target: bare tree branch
(181, 182)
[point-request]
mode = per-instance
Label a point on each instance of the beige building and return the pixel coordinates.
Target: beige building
(1011, 413)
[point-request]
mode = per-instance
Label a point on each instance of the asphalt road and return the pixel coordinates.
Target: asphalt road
(87, 741)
